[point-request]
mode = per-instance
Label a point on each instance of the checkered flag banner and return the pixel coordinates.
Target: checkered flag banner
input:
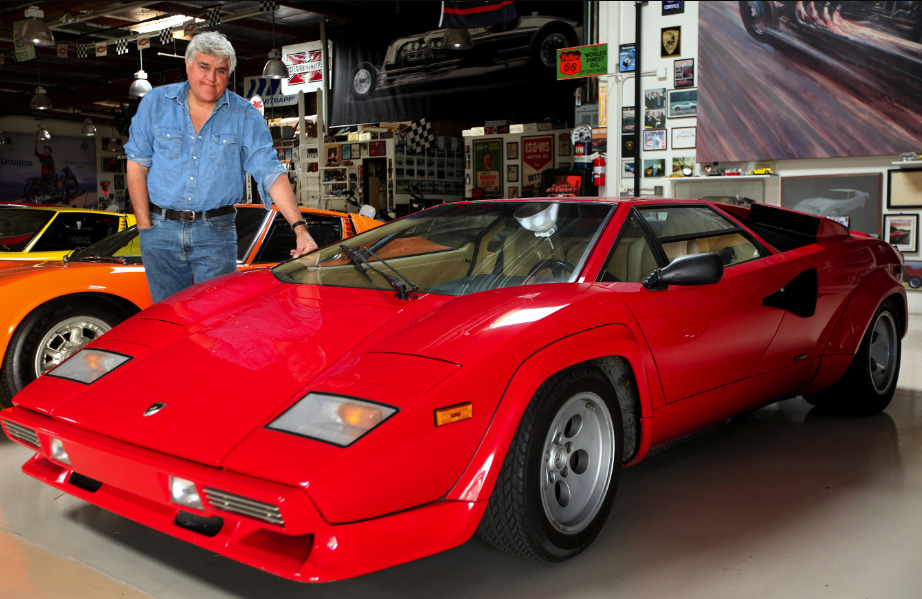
(121, 47)
(166, 35)
(214, 17)
(81, 50)
(419, 136)
(268, 5)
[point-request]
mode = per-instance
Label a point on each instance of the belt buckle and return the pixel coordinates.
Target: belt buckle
(187, 219)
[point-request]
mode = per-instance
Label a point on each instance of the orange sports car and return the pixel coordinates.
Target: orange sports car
(50, 232)
(51, 309)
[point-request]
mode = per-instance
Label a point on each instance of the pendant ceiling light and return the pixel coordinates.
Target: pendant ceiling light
(457, 39)
(34, 30)
(42, 134)
(40, 99)
(275, 68)
(140, 85)
(115, 144)
(88, 129)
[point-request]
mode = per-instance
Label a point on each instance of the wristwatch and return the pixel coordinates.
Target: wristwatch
(299, 222)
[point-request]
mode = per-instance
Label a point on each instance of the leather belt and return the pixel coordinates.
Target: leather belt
(188, 216)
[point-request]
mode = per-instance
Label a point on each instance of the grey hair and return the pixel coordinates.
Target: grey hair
(213, 44)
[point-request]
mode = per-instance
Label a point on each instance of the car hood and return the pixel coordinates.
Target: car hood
(815, 203)
(227, 357)
(224, 360)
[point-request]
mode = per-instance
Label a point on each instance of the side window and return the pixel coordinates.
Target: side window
(72, 230)
(281, 239)
(683, 230)
(632, 258)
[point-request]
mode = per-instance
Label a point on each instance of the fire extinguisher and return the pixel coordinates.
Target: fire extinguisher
(598, 170)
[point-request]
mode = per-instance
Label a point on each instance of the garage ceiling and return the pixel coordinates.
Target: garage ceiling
(94, 85)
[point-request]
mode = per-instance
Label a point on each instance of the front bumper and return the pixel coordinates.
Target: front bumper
(283, 534)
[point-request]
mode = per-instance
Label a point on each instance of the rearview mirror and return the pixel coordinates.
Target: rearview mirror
(693, 269)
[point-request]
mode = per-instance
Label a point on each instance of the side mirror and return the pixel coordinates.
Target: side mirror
(693, 269)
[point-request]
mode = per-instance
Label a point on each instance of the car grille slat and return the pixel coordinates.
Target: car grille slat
(22, 433)
(236, 504)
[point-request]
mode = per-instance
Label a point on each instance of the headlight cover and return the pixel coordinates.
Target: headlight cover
(88, 365)
(332, 418)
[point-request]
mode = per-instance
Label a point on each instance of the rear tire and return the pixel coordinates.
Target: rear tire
(560, 476)
(869, 383)
(48, 336)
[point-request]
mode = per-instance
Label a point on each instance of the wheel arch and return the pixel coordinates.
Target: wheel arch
(845, 338)
(622, 363)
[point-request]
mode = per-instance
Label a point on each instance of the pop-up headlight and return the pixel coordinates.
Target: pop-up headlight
(331, 418)
(88, 365)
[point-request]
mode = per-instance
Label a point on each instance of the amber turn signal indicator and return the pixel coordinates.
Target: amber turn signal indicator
(456, 413)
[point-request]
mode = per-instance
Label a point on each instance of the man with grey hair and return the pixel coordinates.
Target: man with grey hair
(189, 147)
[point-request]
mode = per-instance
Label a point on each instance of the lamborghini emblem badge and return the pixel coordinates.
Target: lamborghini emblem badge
(154, 408)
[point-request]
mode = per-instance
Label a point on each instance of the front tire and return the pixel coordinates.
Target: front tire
(364, 80)
(869, 383)
(560, 476)
(915, 282)
(50, 335)
(758, 19)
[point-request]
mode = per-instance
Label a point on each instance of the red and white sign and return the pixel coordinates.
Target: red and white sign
(537, 155)
(102, 49)
(305, 67)
(143, 42)
(62, 50)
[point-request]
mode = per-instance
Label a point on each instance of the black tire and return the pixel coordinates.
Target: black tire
(364, 80)
(547, 41)
(758, 18)
(32, 192)
(49, 335)
(915, 282)
(869, 383)
(561, 472)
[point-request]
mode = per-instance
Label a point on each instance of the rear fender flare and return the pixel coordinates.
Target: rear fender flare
(620, 346)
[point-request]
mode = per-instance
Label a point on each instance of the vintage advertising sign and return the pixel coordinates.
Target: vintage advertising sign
(269, 91)
(582, 61)
(488, 166)
(537, 156)
(305, 67)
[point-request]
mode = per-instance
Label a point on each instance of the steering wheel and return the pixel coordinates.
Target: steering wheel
(557, 266)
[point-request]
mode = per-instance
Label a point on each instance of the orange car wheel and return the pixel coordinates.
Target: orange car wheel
(49, 335)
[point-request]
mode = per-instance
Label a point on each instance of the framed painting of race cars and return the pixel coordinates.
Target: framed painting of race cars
(857, 196)
(901, 231)
(904, 188)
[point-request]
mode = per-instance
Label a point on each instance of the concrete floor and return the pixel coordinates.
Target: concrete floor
(778, 503)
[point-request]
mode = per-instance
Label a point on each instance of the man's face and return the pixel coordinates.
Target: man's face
(208, 77)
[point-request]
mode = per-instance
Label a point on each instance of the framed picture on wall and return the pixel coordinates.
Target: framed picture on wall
(512, 173)
(118, 182)
(628, 120)
(654, 139)
(857, 196)
(111, 164)
(671, 38)
(904, 188)
(684, 72)
(626, 54)
(681, 103)
(683, 138)
(902, 231)
(512, 150)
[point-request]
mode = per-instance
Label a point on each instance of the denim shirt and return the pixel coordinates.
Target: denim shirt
(189, 171)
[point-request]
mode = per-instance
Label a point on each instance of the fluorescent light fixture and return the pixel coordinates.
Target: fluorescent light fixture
(161, 24)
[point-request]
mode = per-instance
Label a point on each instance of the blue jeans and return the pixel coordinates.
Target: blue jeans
(179, 254)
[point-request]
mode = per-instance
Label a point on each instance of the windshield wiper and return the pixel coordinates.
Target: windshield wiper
(404, 287)
(98, 258)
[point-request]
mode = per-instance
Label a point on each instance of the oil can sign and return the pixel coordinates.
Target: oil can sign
(537, 155)
(582, 61)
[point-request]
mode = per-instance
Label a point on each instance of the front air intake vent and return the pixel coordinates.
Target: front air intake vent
(235, 504)
(22, 434)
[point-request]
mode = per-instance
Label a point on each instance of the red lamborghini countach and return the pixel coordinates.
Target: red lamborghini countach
(481, 367)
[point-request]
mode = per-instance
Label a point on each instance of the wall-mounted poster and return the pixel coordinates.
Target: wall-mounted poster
(901, 230)
(626, 54)
(654, 139)
(673, 7)
(512, 150)
(823, 69)
(537, 156)
(488, 162)
(857, 196)
(684, 72)
(654, 168)
(628, 121)
(682, 103)
(72, 161)
(680, 163)
(654, 98)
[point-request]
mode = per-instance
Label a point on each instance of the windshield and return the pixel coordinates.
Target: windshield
(456, 249)
(19, 225)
